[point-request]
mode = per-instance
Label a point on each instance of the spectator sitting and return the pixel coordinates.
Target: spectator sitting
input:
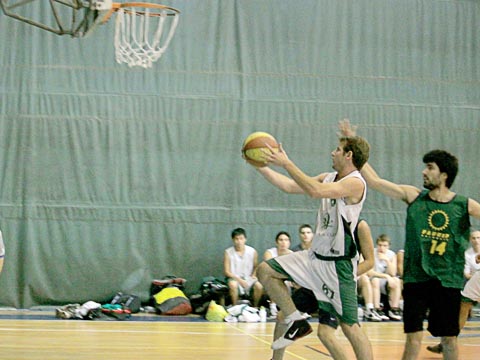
(306, 236)
(384, 279)
(282, 242)
(239, 265)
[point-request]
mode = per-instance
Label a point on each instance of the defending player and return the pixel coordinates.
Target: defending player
(437, 229)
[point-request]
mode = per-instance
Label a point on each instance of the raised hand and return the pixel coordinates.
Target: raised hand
(346, 129)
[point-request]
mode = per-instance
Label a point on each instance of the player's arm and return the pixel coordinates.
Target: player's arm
(350, 188)
(473, 208)
(406, 193)
(366, 245)
(283, 182)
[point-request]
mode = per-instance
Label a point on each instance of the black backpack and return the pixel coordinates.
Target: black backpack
(210, 289)
(130, 302)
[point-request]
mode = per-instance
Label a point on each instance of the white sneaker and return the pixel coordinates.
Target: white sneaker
(371, 315)
(381, 314)
(395, 314)
(296, 329)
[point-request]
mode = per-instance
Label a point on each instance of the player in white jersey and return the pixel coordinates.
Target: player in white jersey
(329, 267)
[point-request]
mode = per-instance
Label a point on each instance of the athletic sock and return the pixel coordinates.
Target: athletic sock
(296, 315)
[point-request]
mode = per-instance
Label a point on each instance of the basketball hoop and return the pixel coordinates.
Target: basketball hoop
(143, 31)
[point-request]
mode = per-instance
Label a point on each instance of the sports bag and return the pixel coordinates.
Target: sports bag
(172, 301)
(130, 302)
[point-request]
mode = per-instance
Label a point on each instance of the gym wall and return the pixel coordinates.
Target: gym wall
(112, 176)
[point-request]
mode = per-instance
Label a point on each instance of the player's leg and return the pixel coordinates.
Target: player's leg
(274, 283)
(449, 347)
(327, 336)
(358, 339)
(306, 302)
(443, 317)
(280, 328)
(272, 274)
(470, 294)
(345, 305)
(415, 296)
(257, 293)
(413, 344)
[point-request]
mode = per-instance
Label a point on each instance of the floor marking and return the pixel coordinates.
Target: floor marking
(264, 341)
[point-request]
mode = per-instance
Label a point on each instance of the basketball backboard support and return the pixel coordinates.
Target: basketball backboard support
(143, 30)
(76, 18)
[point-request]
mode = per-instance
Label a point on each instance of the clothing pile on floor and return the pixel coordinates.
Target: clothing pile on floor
(92, 310)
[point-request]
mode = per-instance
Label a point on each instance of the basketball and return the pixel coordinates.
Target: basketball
(254, 146)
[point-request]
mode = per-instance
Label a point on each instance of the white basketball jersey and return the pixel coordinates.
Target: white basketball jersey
(332, 218)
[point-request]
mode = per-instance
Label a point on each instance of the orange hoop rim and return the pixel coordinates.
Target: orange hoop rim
(117, 6)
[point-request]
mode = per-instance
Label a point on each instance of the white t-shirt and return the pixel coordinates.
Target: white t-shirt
(381, 265)
(242, 265)
(470, 265)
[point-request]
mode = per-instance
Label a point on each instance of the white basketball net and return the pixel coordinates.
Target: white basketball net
(136, 44)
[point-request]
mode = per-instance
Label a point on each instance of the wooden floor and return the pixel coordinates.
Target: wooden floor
(30, 338)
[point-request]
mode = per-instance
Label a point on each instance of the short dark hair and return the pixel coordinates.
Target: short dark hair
(303, 226)
(238, 231)
(446, 162)
(359, 147)
(282, 233)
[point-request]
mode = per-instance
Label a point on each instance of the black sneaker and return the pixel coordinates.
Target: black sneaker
(296, 330)
(437, 349)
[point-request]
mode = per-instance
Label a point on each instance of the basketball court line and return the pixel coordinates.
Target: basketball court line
(264, 341)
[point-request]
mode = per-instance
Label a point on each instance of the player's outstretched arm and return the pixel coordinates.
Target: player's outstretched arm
(281, 181)
(395, 191)
(405, 193)
(314, 186)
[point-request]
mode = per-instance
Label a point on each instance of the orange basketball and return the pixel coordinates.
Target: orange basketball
(254, 147)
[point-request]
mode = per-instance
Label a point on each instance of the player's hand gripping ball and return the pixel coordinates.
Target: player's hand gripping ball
(254, 148)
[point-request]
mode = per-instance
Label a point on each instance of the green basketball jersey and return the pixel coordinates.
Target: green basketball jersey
(436, 240)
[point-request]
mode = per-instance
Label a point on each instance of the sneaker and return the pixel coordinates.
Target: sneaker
(381, 314)
(395, 314)
(371, 315)
(437, 349)
(296, 330)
